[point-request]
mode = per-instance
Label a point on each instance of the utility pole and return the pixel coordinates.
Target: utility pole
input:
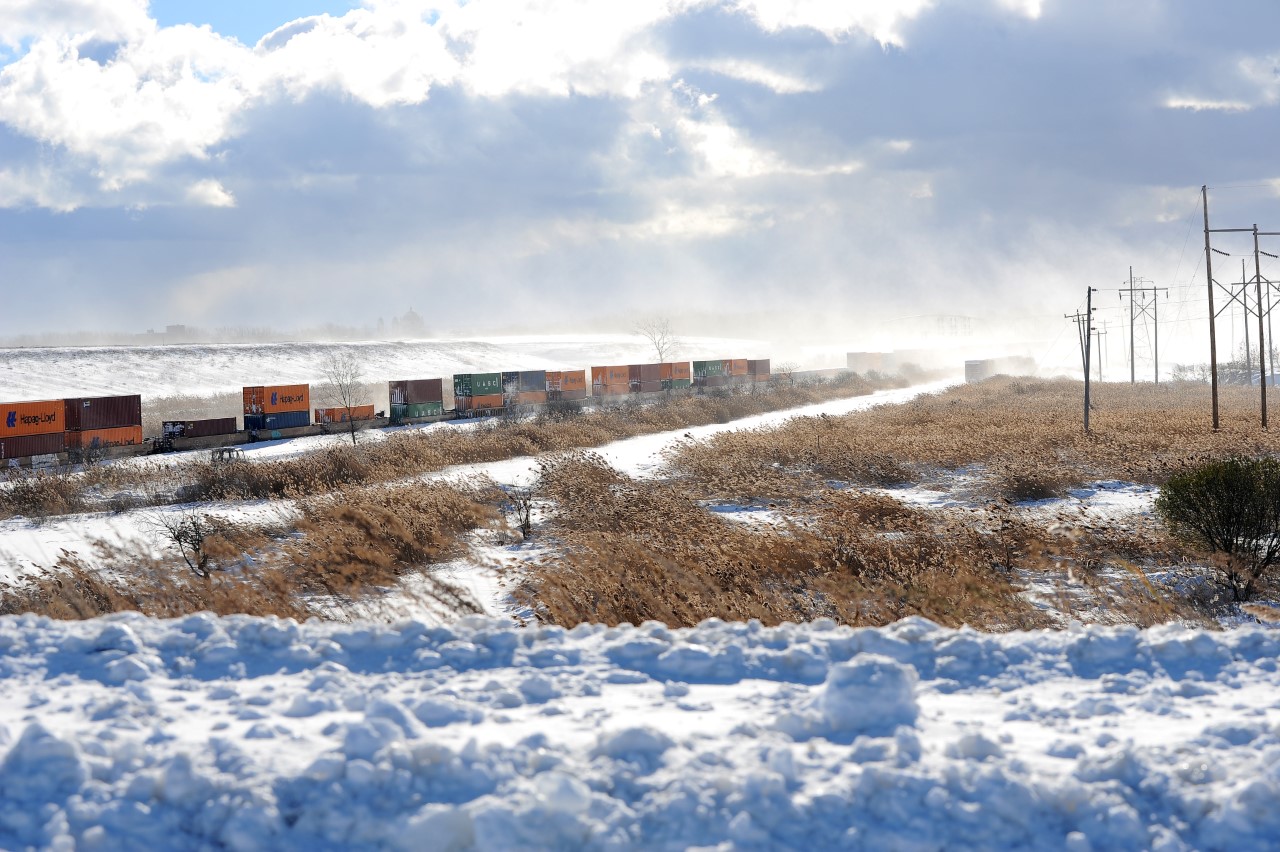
(1262, 340)
(1209, 250)
(1213, 339)
(1100, 335)
(1087, 337)
(1079, 318)
(1144, 310)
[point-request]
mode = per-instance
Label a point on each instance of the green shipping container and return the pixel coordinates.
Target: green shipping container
(424, 409)
(477, 384)
(399, 412)
(679, 383)
(702, 369)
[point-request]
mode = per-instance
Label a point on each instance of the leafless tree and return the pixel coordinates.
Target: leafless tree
(344, 388)
(657, 330)
(190, 532)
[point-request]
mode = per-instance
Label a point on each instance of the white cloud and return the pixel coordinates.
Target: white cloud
(210, 193)
(879, 19)
(108, 20)
(1203, 104)
(754, 72)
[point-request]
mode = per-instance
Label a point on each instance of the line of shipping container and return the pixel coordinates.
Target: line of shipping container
(477, 384)
(341, 414)
(22, 446)
(206, 428)
(277, 399)
(481, 403)
(645, 378)
(758, 368)
(737, 371)
(280, 420)
(116, 436)
(40, 417)
(102, 412)
(414, 391)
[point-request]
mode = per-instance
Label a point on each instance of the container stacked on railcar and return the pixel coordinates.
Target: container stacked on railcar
(103, 421)
(36, 428)
(272, 407)
(611, 381)
(709, 374)
(206, 428)
(343, 414)
(567, 384)
(758, 369)
(477, 392)
(675, 375)
(415, 398)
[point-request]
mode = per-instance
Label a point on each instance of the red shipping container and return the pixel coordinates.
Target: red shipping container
(339, 414)
(45, 417)
(736, 367)
(21, 446)
(531, 397)
(610, 375)
(200, 428)
(102, 412)
(121, 436)
(478, 403)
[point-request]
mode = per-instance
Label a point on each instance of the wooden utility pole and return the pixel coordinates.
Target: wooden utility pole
(1213, 339)
(1262, 340)
(1087, 338)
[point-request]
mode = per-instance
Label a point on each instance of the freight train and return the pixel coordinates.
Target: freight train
(50, 431)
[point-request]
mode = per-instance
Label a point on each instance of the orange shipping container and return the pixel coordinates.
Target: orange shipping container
(611, 390)
(277, 399)
(339, 415)
(478, 403)
(736, 367)
(531, 397)
(574, 380)
(675, 370)
(31, 418)
(121, 436)
(610, 375)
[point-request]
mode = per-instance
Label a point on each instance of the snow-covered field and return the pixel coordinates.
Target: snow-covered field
(201, 370)
(239, 733)
(411, 731)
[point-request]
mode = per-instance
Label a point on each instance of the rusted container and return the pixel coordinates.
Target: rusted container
(18, 419)
(675, 370)
(531, 397)
(102, 412)
(413, 391)
(277, 399)
(759, 368)
(736, 367)
(21, 446)
(648, 387)
(199, 428)
(120, 436)
(340, 414)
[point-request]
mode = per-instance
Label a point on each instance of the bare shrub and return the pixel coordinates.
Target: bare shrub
(42, 494)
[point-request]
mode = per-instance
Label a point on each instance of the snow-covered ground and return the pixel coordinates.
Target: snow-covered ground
(423, 733)
(241, 733)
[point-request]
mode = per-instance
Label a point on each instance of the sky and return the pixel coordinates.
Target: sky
(563, 164)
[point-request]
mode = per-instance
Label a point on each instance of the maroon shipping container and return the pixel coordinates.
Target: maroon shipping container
(32, 445)
(645, 373)
(716, 381)
(102, 412)
(415, 391)
(758, 367)
(650, 387)
(200, 428)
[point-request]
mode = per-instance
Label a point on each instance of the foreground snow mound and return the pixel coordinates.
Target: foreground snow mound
(244, 733)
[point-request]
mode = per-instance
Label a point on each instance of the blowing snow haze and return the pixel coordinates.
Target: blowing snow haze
(564, 164)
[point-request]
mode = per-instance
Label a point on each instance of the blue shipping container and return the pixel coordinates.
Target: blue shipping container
(284, 420)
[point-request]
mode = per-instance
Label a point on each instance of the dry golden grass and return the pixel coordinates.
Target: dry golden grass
(344, 547)
(1024, 435)
(638, 550)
